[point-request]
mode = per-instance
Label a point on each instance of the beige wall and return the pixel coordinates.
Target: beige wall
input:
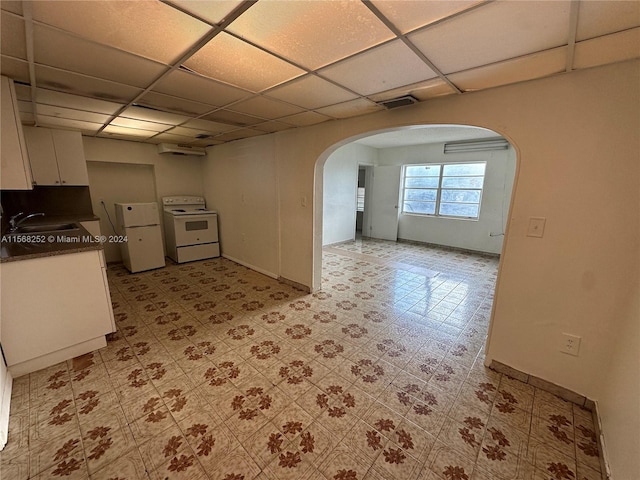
(123, 171)
(241, 184)
(118, 183)
(340, 184)
(576, 136)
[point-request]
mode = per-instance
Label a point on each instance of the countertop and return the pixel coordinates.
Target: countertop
(23, 247)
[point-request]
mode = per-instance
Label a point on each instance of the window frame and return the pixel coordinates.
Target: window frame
(441, 176)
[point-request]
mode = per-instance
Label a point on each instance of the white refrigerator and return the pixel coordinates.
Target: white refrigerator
(140, 224)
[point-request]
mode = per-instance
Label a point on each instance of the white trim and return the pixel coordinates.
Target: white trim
(252, 267)
(604, 457)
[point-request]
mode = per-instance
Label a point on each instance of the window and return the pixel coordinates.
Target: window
(448, 190)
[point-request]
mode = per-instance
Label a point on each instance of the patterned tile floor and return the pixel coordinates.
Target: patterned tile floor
(219, 372)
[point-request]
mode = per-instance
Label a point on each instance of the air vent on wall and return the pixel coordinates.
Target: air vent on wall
(181, 149)
(398, 102)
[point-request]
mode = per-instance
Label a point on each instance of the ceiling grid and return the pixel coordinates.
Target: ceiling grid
(207, 72)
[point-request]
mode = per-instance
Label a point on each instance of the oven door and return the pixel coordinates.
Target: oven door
(195, 229)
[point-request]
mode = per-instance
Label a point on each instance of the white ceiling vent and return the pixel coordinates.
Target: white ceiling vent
(181, 149)
(398, 102)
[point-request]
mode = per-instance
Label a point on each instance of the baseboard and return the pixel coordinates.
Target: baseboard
(252, 267)
(602, 448)
(340, 242)
(565, 394)
(448, 247)
(296, 285)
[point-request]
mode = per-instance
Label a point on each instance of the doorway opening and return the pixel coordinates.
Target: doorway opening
(426, 251)
(446, 185)
(362, 203)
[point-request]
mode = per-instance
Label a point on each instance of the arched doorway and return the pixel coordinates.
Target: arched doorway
(390, 204)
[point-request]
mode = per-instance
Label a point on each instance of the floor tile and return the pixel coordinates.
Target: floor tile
(219, 372)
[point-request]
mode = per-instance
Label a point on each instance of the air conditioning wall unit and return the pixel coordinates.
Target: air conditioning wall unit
(181, 149)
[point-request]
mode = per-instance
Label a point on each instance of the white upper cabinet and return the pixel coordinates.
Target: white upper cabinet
(15, 171)
(57, 156)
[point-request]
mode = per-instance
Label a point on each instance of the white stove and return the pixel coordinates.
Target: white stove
(191, 231)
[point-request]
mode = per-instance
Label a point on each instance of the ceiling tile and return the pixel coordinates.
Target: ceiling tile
(205, 142)
(272, 126)
(71, 114)
(66, 52)
(153, 115)
(24, 106)
(608, 49)
(311, 92)
(238, 134)
(170, 138)
(27, 118)
(473, 39)
(194, 87)
(23, 92)
(421, 90)
(173, 104)
(131, 26)
(14, 69)
(304, 119)
(205, 126)
(12, 36)
(140, 124)
(134, 132)
(381, 68)
(11, 6)
(602, 18)
(359, 106)
(49, 97)
(78, 84)
(311, 34)
(407, 15)
(233, 118)
(511, 71)
(123, 136)
(212, 12)
(192, 133)
(265, 108)
(238, 63)
(69, 124)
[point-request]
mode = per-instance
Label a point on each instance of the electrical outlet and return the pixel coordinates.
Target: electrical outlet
(570, 344)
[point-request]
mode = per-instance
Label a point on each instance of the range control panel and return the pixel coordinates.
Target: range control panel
(182, 200)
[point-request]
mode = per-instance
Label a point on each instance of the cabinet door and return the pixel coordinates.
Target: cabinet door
(70, 155)
(52, 303)
(16, 173)
(42, 155)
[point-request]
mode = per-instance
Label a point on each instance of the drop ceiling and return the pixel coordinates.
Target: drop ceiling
(202, 73)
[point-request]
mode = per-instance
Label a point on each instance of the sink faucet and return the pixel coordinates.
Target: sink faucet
(15, 223)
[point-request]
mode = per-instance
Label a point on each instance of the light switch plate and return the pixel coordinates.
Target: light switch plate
(536, 227)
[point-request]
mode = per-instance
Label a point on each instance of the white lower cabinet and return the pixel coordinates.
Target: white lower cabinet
(53, 309)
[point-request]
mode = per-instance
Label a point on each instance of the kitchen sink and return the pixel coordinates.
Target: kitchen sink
(32, 229)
